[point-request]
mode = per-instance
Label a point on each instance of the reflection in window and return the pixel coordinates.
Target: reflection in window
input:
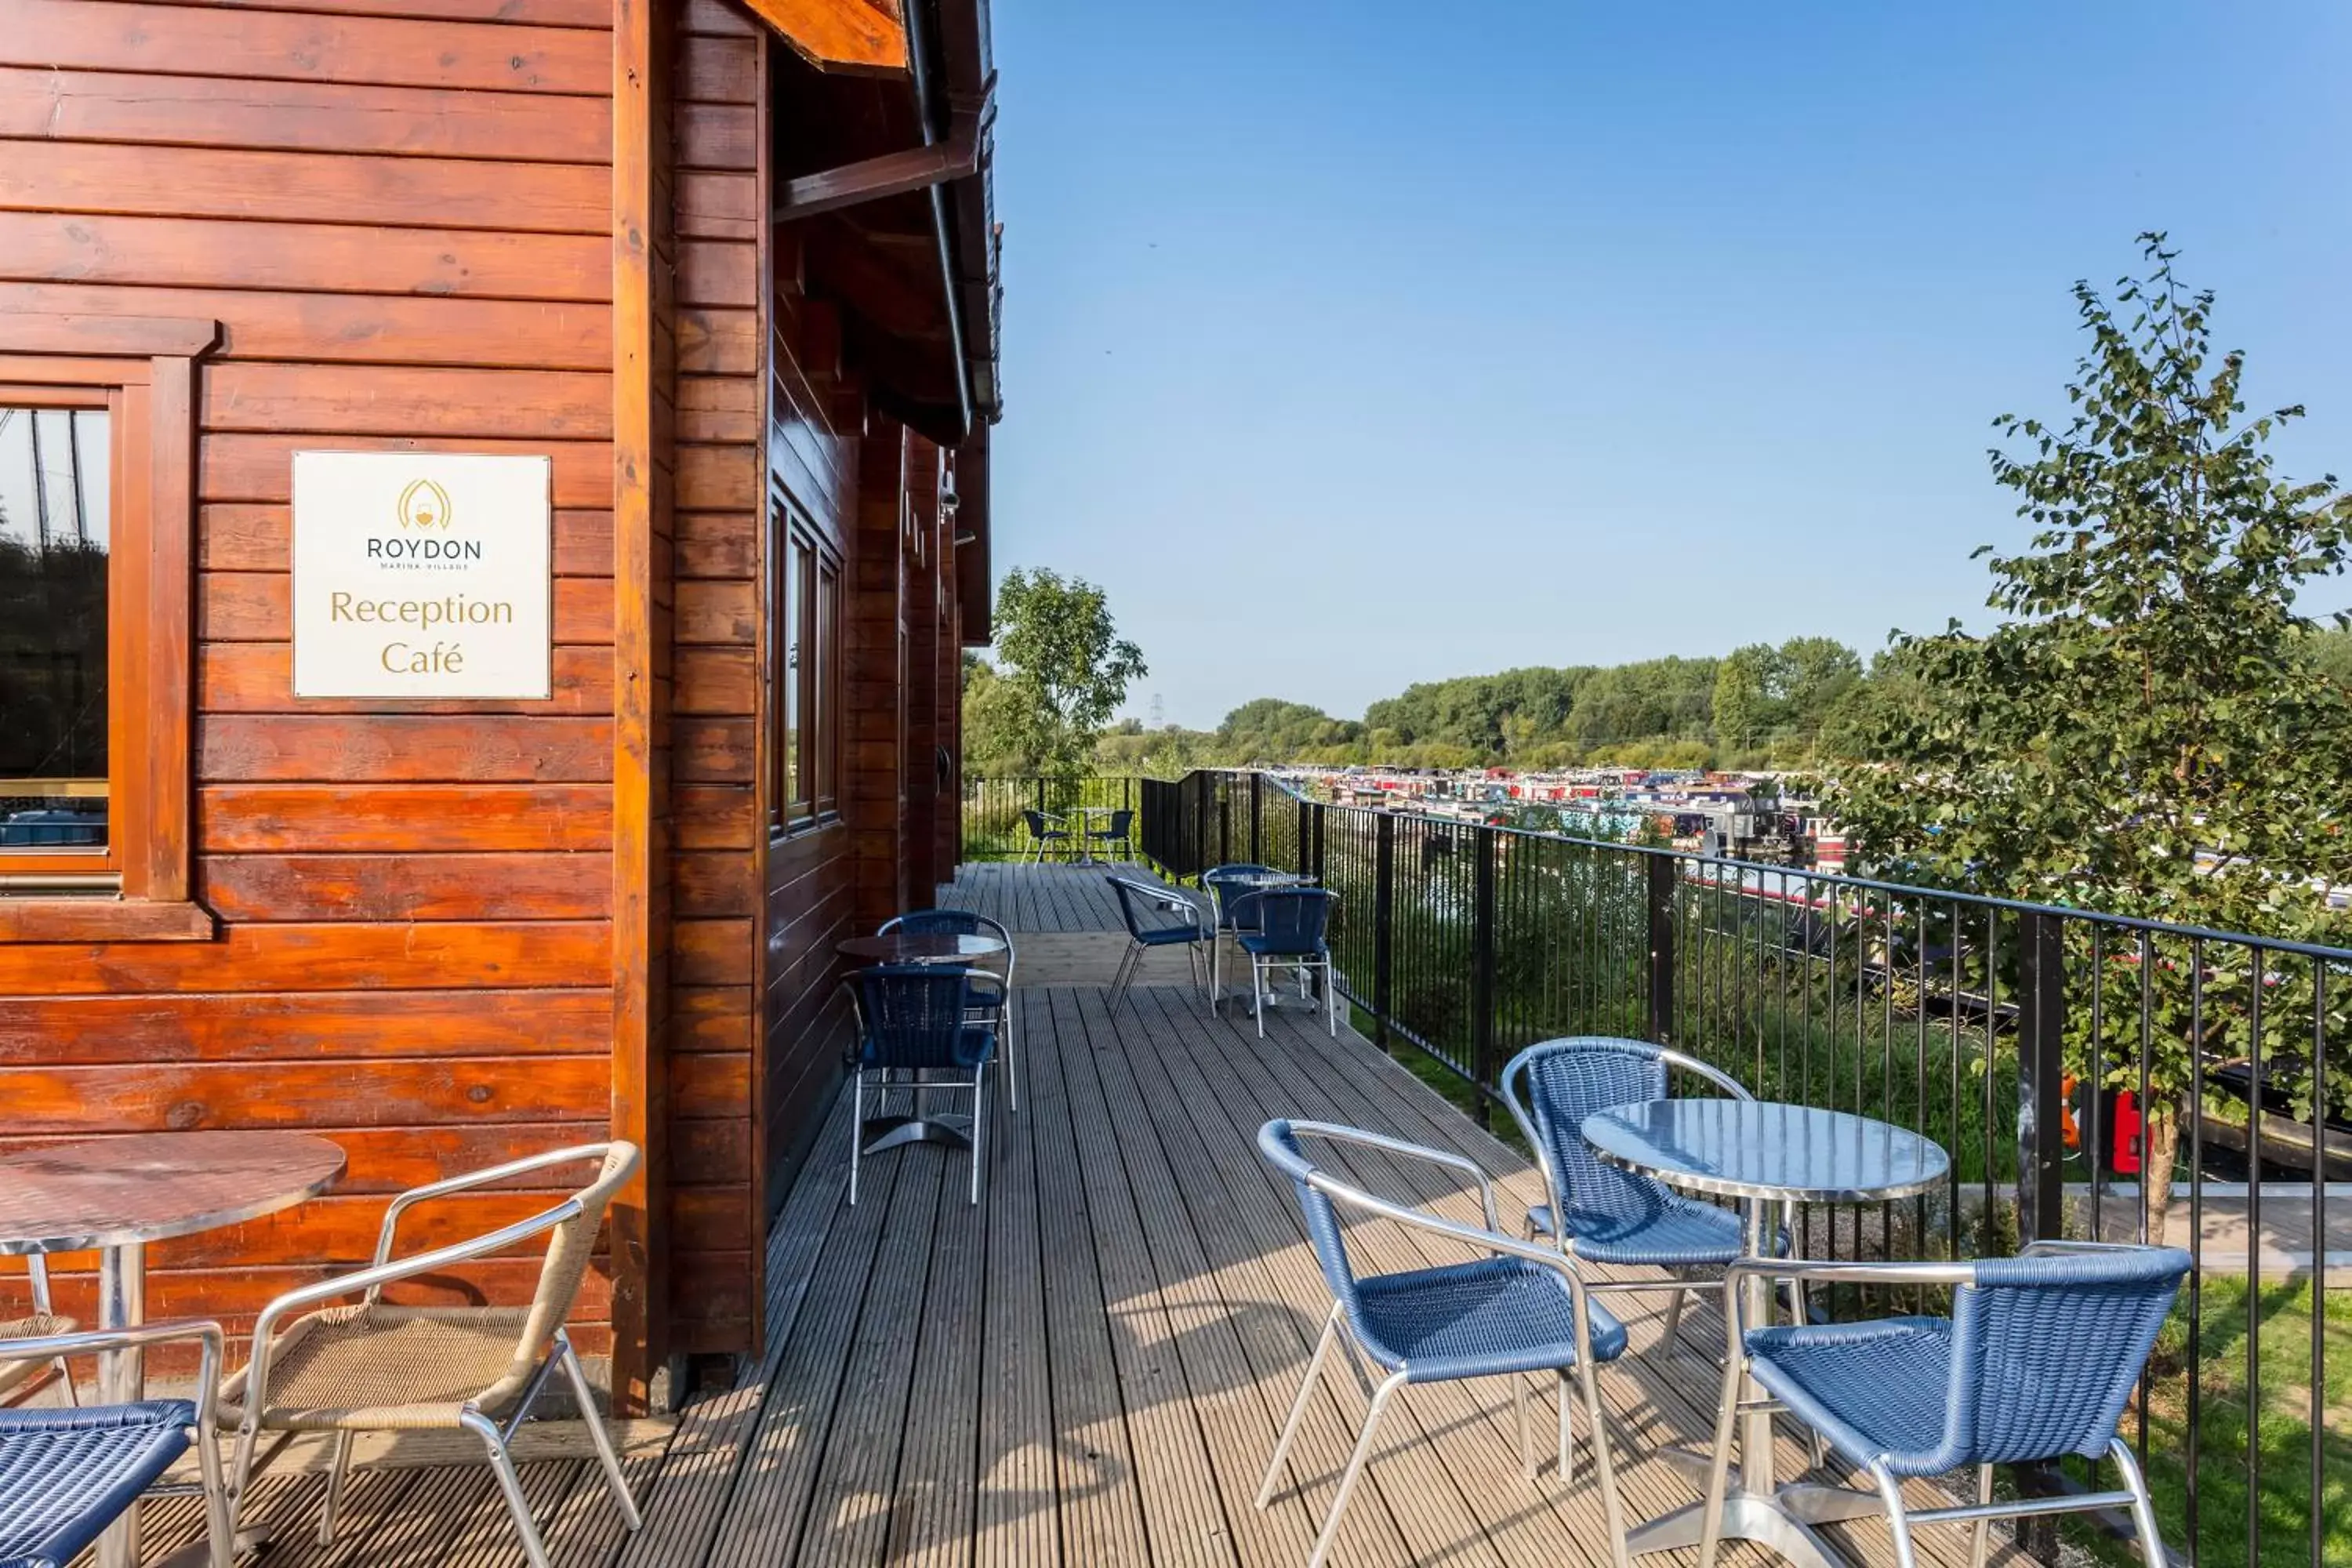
(54, 510)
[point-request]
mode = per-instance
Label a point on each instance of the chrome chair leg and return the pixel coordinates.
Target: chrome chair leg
(1718, 1468)
(337, 1469)
(1567, 1431)
(1674, 1300)
(1519, 1412)
(979, 1123)
(1612, 1510)
(1012, 1056)
(1257, 994)
(1355, 1470)
(856, 1127)
(220, 1538)
(1299, 1404)
(1897, 1520)
(2143, 1508)
(510, 1483)
(1981, 1534)
(615, 1482)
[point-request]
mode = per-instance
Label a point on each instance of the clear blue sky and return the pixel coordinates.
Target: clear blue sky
(1353, 343)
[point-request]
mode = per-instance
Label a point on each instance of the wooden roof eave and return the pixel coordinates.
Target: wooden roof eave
(863, 38)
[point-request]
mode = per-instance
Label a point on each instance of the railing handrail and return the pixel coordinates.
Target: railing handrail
(1834, 879)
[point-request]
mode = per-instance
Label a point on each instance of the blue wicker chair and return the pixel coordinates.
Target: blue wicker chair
(964, 923)
(1046, 831)
(1121, 832)
(1520, 1308)
(920, 1019)
(1597, 1211)
(1225, 885)
(1286, 926)
(1155, 917)
(66, 1474)
(2037, 1360)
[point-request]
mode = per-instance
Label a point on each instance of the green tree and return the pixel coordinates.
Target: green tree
(1746, 709)
(2147, 732)
(1065, 665)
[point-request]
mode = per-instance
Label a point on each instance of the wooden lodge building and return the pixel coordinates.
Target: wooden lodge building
(725, 270)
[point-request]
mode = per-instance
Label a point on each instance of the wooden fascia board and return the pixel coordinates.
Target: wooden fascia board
(860, 36)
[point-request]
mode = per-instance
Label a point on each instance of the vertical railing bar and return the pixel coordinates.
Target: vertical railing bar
(2255, 1252)
(2196, 1222)
(2095, 1080)
(2319, 1379)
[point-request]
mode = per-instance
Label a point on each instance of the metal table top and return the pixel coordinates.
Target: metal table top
(921, 947)
(1760, 1149)
(119, 1192)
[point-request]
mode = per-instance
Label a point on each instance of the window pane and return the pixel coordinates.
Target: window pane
(825, 741)
(804, 585)
(53, 557)
(788, 794)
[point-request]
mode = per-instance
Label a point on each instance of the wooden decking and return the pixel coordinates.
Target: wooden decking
(1050, 897)
(1088, 1368)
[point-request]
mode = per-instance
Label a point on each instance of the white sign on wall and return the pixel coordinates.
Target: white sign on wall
(421, 575)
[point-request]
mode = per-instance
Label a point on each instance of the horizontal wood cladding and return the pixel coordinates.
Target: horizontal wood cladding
(403, 818)
(322, 956)
(222, 253)
(374, 400)
(365, 329)
(292, 1024)
(402, 747)
(49, 175)
(181, 110)
(472, 51)
(404, 1093)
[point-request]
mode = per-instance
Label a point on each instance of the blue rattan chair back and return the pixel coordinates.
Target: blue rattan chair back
(2047, 1350)
(1284, 921)
(1278, 1142)
(1139, 906)
(1228, 884)
(916, 1018)
(1038, 828)
(1122, 823)
(1569, 1080)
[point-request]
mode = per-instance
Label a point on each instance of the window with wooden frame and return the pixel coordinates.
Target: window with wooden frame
(804, 788)
(97, 545)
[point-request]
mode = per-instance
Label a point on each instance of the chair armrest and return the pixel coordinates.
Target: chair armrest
(1828, 1272)
(1681, 1062)
(371, 1281)
(1334, 1133)
(470, 1180)
(989, 988)
(95, 1341)
(1491, 1240)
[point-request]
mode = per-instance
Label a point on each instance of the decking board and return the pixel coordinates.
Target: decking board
(1090, 1366)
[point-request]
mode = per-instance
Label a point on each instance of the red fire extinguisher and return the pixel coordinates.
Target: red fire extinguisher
(2127, 1127)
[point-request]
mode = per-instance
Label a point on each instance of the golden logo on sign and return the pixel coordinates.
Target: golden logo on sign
(424, 504)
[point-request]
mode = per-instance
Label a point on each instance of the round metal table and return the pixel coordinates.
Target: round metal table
(117, 1195)
(921, 947)
(1767, 1154)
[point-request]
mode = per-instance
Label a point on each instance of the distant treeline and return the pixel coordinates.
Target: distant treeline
(1757, 706)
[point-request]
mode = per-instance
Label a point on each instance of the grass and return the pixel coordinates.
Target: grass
(2282, 1430)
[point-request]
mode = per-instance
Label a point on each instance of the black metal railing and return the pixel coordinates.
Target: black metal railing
(994, 827)
(2043, 1047)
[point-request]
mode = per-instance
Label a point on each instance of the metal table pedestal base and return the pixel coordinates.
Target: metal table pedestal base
(897, 1131)
(1780, 1520)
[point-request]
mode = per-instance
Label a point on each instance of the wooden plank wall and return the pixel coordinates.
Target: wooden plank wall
(400, 212)
(715, 773)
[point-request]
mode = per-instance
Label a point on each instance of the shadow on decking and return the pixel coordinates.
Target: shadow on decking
(1088, 1367)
